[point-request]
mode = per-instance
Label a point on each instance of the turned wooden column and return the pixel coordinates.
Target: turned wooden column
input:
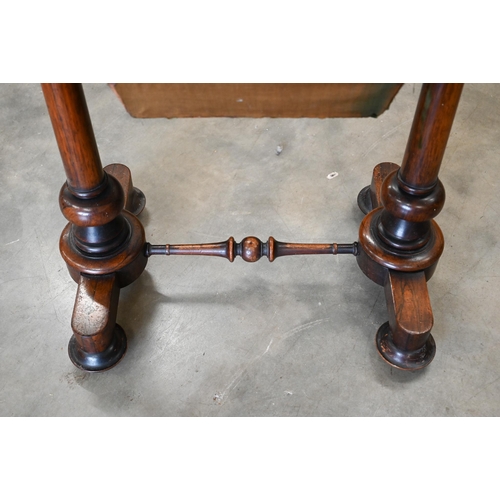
(104, 243)
(400, 243)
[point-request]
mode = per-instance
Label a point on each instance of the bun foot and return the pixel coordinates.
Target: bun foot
(138, 202)
(364, 200)
(398, 358)
(101, 361)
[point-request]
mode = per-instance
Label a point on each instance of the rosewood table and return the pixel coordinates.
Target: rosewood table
(399, 245)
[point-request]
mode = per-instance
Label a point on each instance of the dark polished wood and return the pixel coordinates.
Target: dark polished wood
(429, 135)
(98, 342)
(406, 341)
(75, 137)
(251, 249)
(369, 197)
(399, 242)
(134, 201)
(103, 244)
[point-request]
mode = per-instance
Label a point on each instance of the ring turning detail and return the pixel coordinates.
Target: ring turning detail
(251, 249)
(399, 243)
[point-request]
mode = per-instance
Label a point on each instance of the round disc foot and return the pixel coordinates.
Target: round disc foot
(138, 202)
(365, 201)
(102, 361)
(403, 360)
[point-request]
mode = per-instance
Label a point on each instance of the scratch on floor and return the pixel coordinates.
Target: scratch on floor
(485, 386)
(47, 279)
(387, 134)
(375, 303)
(282, 220)
(22, 278)
(301, 328)
(376, 410)
(220, 397)
(268, 347)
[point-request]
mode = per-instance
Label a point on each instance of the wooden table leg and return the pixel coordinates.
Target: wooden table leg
(400, 244)
(104, 244)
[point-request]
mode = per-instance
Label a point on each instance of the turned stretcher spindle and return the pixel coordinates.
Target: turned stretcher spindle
(251, 249)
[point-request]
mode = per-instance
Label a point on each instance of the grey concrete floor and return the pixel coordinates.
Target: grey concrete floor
(211, 338)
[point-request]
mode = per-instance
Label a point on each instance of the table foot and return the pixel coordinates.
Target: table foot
(99, 361)
(403, 360)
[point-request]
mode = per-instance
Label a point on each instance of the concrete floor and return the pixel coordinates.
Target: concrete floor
(211, 338)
